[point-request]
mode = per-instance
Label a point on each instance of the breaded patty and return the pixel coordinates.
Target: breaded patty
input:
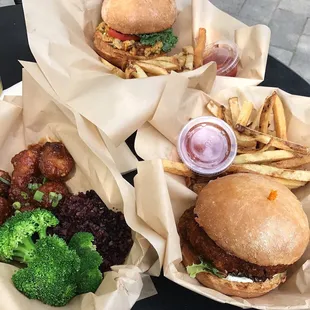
(208, 250)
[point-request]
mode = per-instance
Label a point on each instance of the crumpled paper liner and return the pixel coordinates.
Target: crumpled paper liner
(25, 120)
(122, 156)
(162, 198)
(61, 42)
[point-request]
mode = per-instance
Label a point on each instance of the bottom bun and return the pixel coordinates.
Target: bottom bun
(113, 55)
(230, 288)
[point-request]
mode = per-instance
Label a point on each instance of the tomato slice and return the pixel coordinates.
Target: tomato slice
(123, 37)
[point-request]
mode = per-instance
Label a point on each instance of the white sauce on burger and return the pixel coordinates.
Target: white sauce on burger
(238, 279)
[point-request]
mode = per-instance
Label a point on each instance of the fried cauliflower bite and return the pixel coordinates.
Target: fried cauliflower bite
(55, 161)
(5, 181)
(26, 169)
(54, 194)
(5, 210)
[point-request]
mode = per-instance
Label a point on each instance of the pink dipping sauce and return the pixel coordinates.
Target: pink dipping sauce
(226, 56)
(207, 145)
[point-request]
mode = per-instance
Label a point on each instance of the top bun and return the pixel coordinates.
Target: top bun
(237, 215)
(139, 16)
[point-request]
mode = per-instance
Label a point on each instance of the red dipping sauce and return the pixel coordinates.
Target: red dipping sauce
(207, 145)
(226, 56)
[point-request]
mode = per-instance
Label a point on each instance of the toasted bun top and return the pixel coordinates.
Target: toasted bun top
(139, 16)
(235, 212)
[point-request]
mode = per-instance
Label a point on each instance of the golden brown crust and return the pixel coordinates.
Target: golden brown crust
(239, 289)
(236, 214)
(139, 16)
(116, 57)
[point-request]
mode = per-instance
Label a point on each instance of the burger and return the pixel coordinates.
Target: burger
(243, 234)
(135, 30)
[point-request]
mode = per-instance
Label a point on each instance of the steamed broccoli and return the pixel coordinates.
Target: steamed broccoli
(89, 276)
(51, 276)
(16, 234)
(55, 272)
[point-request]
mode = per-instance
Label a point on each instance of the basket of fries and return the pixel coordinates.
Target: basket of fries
(262, 149)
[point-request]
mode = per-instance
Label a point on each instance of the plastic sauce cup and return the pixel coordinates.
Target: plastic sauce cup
(225, 54)
(207, 145)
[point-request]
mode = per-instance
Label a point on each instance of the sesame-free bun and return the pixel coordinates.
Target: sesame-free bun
(139, 16)
(231, 288)
(237, 215)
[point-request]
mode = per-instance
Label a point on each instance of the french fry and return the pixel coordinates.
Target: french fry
(199, 48)
(181, 59)
(298, 175)
(162, 64)
(228, 117)
(291, 184)
(245, 114)
(150, 68)
(171, 59)
(118, 72)
(246, 150)
(292, 163)
(265, 115)
(107, 64)
(213, 108)
(263, 148)
(279, 116)
(138, 73)
(235, 109)
(189, 62)
(245, 141)
(255, 123)
(176, 168)
(216, 109)
(113, 69)
(219, 111)
(222, 112)
(129, 72)
(263, 157)
(272, 133)
(275, 141)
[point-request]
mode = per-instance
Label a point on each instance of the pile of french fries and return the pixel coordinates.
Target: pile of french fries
(189, 59)
(261, 149)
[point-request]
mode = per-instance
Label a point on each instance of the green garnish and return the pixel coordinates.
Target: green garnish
(167, 37)
(44, 180)
(34, 186)
(24, 195)
(3, 180)
(194, 269)
(54, 199)
(17, 205)
(38, 196)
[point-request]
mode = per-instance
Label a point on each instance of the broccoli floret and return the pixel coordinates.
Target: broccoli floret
(89, 277)
(51, 276)
(16, 234)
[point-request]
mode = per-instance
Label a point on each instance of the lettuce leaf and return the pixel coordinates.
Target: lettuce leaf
(194, 269)
(167, 37)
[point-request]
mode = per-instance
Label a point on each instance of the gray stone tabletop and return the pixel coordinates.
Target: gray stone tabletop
(289, 21)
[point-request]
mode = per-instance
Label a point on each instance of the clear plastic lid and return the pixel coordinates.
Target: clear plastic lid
(207, 145)
(225, 54)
